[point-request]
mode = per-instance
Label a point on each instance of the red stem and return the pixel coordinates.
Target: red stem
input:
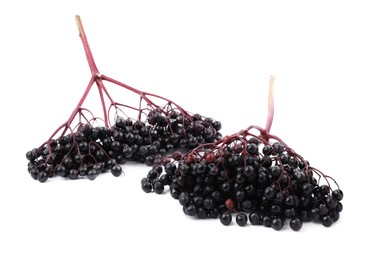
(87, 49)
(94, 71)
(79, 106)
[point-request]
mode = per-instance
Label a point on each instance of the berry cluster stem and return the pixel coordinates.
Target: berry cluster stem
(270, 105)
(96, 76)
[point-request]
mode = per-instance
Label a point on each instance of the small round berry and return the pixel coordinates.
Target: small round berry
(335, 216)
(152, 174)
(290, 213)
(296, 224)
(73, 174)
(331, 202)
(61, 171)
(191, 210)
(208, 203)
(201, 213)
(339, 207)
(277, 223)
(337, 194)
(314, 214)
(241, 219)
(165, 179)
(116, 170)
(266, 221)
(269, 193)
(92, 174)
(255, 218)
(184, 198)
(226, 218)
(246, 206)
(146, 186)
(158, 187)
(323, 210)
(307, 188)
(42, 176)
(327, 221)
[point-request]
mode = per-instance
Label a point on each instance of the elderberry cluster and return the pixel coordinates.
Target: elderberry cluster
(90, 150)
(260, 183)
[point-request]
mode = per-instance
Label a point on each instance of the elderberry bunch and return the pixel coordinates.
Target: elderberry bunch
(83, 153)
(143, 132)
(162, 133)
(267, 184)
(93, 150)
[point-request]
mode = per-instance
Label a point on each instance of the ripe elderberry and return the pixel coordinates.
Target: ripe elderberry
(142, 132)
(254, 174)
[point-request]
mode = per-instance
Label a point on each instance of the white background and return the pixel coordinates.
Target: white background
(211, 57)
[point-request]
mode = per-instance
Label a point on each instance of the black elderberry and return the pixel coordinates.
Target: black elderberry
(324, 189)
(266, 161)
(217, 125)
(335, 216)
(339, 207)
(152, 174)
(241, 219)
(42, 176)
(267, 221)
(61, 171)
(279, 198)
(327, 221)
(31, 155)
(275, 171)
(34, 173)
(226, 218)
(255, 218)
(208, 203)
(267, 150)
(276, 210)
(278, 148)
(252, 148)
(165, 179)
(116, 170)
(216, 195)
(191, 210)
(289, 213)
(184, 198)
(240, 178)
(269, 193)
(323, 210)
(337, 194)
(201, 213)
(246, 206)
(307, 188)
(277, 223)
(290, 201)
(73, 174)
(174, 193)
(284, 157)
(214, 213)
(331, 202)
(170, 169)
(158, 187)
(92, 174)
(250, 173)
(198, 201)
(313, 214)
(146, 185)
(296, 224)
(240, 195)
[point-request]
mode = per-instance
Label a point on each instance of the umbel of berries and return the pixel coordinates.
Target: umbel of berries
(86, 145)
(253, 175)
